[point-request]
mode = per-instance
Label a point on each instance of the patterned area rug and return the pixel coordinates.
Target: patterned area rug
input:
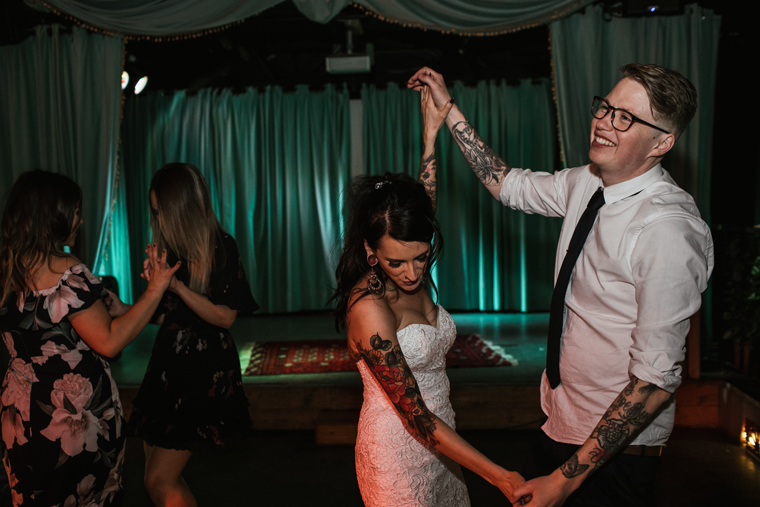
(328, 356)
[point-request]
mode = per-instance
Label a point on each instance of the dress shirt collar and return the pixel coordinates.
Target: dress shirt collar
(627, 188)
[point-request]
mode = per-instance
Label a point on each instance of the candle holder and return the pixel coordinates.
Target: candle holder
(751, 438)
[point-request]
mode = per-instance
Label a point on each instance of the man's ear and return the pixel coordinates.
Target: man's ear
(664, 146)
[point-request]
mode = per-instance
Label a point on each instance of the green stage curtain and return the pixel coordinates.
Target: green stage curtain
(116, 261)
(60, 95)
(168, 17)
(588, 51)
(276, 164)
(495, 259)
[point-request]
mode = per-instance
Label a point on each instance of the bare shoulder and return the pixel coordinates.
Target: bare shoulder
(368, 316)
(50, 273)
(368, 309)
(61, 264)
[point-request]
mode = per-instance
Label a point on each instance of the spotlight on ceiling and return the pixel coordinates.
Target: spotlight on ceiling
(651, 7)
(140, 84)
(124, 80)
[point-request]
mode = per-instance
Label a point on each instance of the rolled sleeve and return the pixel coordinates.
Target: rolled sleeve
(535, 192)
(671, 261)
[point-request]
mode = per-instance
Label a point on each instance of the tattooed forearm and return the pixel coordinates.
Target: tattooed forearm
(631, 410)
(387, 364)
(428, 177)
(572, 468)
(487, 166)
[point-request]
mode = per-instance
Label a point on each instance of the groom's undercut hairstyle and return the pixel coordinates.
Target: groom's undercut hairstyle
(673, 98)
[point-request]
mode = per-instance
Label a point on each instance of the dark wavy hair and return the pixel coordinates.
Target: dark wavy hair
(37, 221)
(392, 204)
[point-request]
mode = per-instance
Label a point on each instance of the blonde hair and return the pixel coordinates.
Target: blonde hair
(186, 224)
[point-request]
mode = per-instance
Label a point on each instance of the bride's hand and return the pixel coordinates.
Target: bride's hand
(433, 117)
(507, 483)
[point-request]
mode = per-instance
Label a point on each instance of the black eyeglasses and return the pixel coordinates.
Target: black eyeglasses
(621, 119)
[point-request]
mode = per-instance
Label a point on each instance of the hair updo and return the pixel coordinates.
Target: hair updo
(392, 204)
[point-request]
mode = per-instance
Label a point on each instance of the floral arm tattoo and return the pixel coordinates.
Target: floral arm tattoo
(428, 178)
(487, 166)
(387, 364)
(623, 418)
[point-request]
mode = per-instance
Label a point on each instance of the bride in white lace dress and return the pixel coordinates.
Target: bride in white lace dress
(391, 461)
(407, 452)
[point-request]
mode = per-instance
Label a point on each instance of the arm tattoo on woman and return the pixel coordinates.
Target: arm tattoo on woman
(486, 165)
(387, 364)
(428, 178)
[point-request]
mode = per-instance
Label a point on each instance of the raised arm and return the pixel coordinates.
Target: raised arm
(108, 337)
(372, 339)
(432, 121)
(487, 166)
(631, 410)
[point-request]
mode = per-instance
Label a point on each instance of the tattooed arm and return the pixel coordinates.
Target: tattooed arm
(484, 162)
(632, 410)
(432, 121)
(372, 338)
(487, 166)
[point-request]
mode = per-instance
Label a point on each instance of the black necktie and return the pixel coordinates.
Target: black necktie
(556, 317)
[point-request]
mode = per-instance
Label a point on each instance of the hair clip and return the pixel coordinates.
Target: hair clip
(380, 184)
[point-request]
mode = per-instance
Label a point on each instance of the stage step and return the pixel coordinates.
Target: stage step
(333, 411)
(336, 427)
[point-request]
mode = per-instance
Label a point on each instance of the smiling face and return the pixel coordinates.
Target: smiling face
(404, 262)
(622, 156)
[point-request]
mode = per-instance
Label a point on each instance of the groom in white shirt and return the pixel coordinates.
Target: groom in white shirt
(636, 282)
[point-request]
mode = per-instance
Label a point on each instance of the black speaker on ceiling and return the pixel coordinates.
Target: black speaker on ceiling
(651, 7)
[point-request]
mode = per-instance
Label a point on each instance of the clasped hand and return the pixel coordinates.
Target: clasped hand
(434, 81)
(157, 271)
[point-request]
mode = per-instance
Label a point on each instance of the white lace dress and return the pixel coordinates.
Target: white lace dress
(392, 467)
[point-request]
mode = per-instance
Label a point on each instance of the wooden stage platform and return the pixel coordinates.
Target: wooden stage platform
(504, 397)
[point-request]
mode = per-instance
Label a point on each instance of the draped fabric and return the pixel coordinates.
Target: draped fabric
(276, 164)
(494, 258)
(157, 18)
(118, 249)
(60, 97)
(588, 51)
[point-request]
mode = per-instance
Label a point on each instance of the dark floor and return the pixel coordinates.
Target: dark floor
(286, 468)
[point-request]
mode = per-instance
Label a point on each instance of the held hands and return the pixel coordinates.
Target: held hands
(116, 307)
(430, 78)
(156, 270)
(507, 483)
(433, 117)
(550, 491)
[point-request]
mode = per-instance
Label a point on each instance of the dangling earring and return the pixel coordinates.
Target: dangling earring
(374, 285)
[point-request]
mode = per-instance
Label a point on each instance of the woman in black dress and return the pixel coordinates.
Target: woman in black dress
(192, 395)
(61, 416)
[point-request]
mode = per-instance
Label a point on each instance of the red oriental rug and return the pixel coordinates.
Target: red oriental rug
(329, 356)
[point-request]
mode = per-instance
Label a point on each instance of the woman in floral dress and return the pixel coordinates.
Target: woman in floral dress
(61, 416)
(192, 395)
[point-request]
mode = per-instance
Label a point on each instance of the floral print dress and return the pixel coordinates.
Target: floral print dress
(192, 397)
(61, 415)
